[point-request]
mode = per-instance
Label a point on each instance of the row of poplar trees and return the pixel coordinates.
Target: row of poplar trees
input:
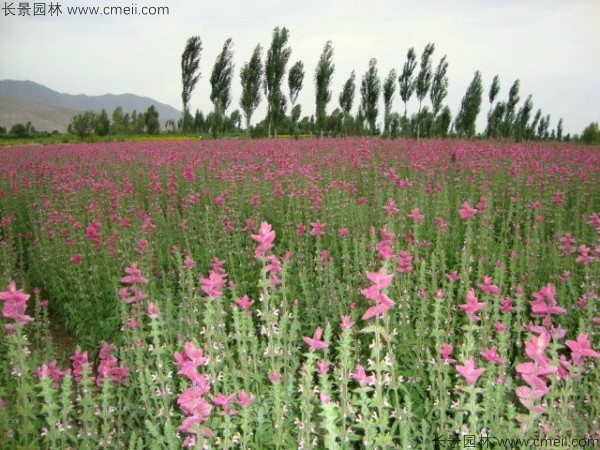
(258, 77)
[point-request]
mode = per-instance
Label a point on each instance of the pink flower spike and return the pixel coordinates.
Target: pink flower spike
(244, 303)
(416, 215)
(360, 375)
(13, 295)
(315, 341)
(325, 399)
(275, 377)
(492, 355)
(244, 399)
(265, 238)
(581, 348)
(467, 211)
(346, 323)
(153, 311)
(468, 371)
(472, 306)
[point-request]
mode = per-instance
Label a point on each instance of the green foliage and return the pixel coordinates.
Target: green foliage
(407, 85)
(190, 69)
(389, 88)
(220, 81)
(370, 88)
(346, 99)
(469, 108)
(509, 113)
(277, 59)
(295, 80)
(591, 134)
(251, 79)
(522, 119)
(150, 119)
(83, 124)
(323, 74)
(423, 81)
(439, 86)
(102, 125)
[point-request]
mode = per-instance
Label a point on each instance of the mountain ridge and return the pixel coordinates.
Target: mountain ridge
(45, 107)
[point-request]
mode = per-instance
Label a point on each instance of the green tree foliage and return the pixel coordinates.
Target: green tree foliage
(532, 128)
(443, 121)
(190, 71)
(591, 134)
(406, 81)
(509, 113)
(251, 78)
(150, 118)
(389, 89)
(83, 124)
(439, 86)
(522, 119)
(295, 81)
(323, 74)
(220, 82)
(491, 128)
(559, 130)
(543, 125)
(469, 108)
(346, 99)
(277, 59)
(370, 88)
(423, 81)
(102, 125)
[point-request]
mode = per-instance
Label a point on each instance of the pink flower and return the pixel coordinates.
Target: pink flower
(528, 396)
(360, 375)
(346, 323)
(416, 215)
(224, 401)
(244, 399)
(343, 232)
(213, 284)
(50, 370)
(390, 206)
(300, 229)
(315, 341)
(505, 305)
(445, 351)
(468, 371)
(487, 287)
(188, 263)
(13, 295)
(467, 211)
(322, 366)
(265, 238)
(134, 275)
(491, 354)
(325, 399)
(77, 258)
(192, 402)
(500, 327)
(581, 348)
(16, 311)
(244, 303)
(317, 228)
(275, 377)
(153, 311)
(472, 305)
(453, 277)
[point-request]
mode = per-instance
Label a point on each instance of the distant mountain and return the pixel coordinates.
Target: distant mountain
(23, 101)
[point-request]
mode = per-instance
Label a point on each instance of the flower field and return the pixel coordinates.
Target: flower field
(299, 294)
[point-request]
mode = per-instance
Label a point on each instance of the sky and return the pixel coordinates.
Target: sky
(551, 46)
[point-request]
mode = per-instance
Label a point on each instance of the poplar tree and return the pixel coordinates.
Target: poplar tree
(251, 78)
(423, 81)
(323, 74)
(406, 81)
(370, 88)
(295, 82)
(469, 108)
(276, 62)
(190, 74)
(220, 81)
(493, 93)
(389, 88)
(347, 99)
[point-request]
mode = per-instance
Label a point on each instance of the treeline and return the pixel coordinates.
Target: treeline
(265, 77)
(91, 123)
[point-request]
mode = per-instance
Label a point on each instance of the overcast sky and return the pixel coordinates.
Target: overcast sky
(552, 46)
